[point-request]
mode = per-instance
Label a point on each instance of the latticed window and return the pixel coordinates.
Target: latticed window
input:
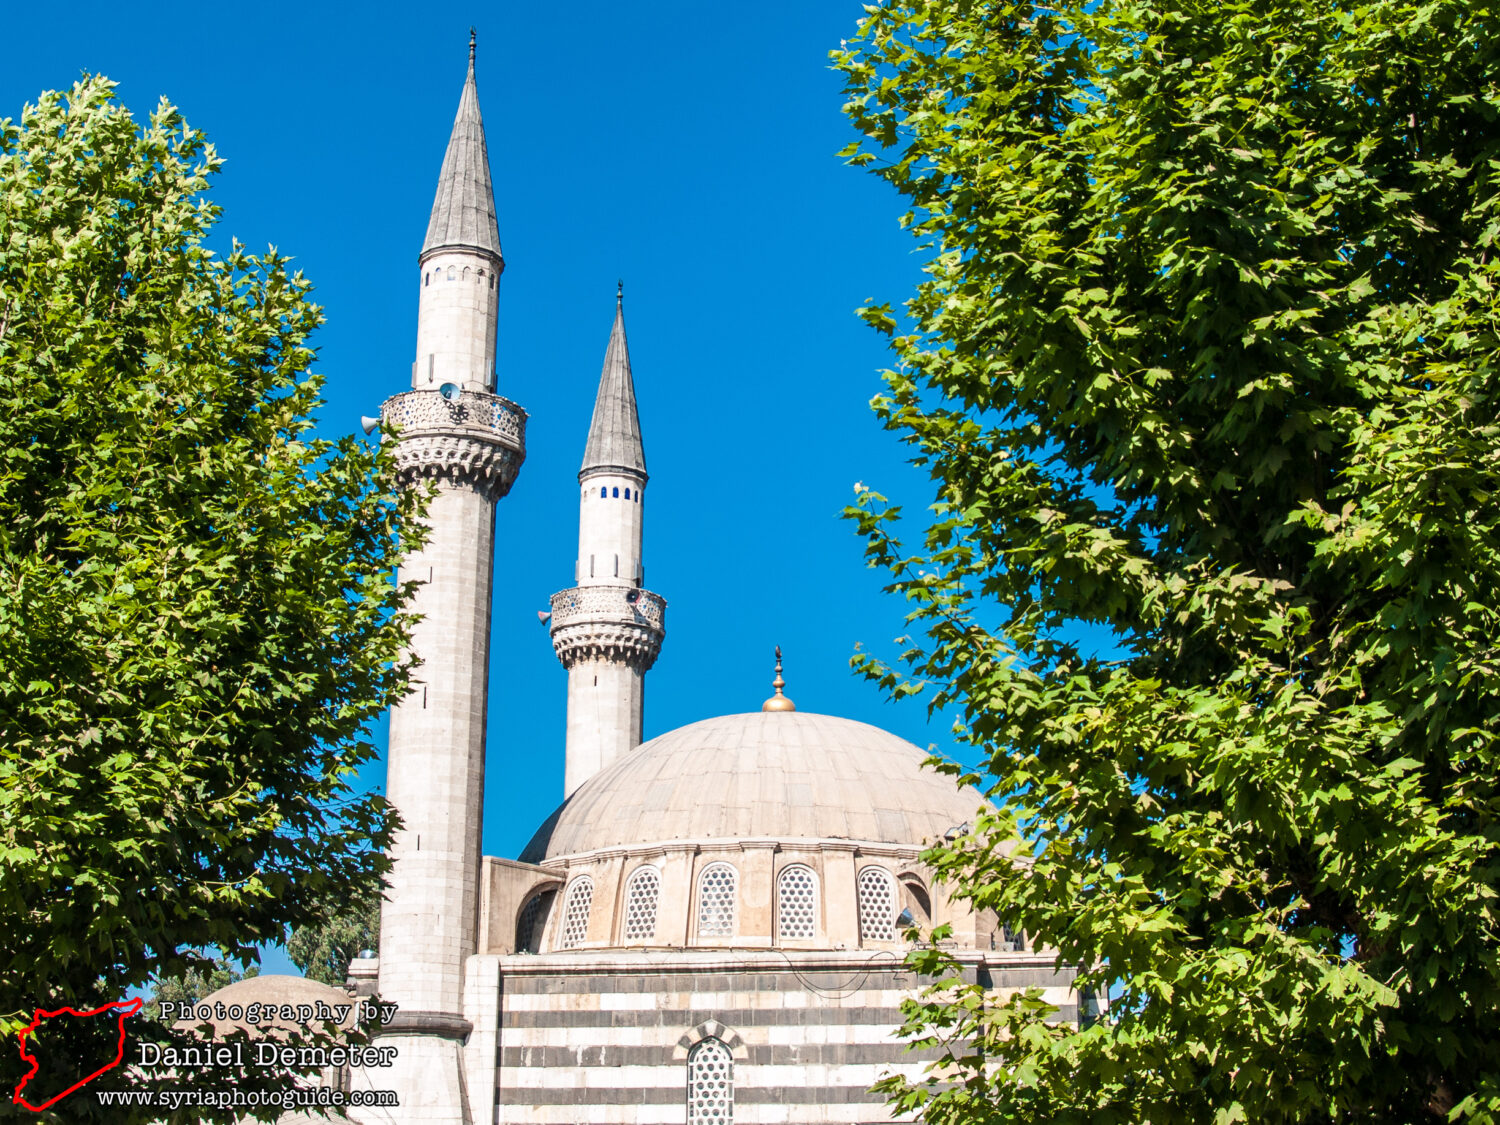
(533, 922)
(640, 904)
(796, 902)
(716, 895)
(576, 913)
(710, 1093)
(877, 905)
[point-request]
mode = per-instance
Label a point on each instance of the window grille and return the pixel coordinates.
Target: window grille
(533, 922)
(640, 904)
(576, 914)
(797, 901)
(716, 895)
(877, 905)
(710, 1093)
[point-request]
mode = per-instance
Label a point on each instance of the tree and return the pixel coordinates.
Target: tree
(1204, 373)
(323, 951)
(197, 610)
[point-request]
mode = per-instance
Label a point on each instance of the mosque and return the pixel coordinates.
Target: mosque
(708, 929)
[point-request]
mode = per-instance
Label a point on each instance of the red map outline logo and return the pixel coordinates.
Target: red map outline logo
(127, 1008)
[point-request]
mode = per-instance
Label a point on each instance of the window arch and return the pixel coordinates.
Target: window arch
(617, 491)
(627, 494)
(718, 888)
(604, 492)
(710, 1084)
(427, 280)
(641, 894)
(452, 272)
(466, 273)
(796, 902)
(531, 924)
(877, 905)
(576, 914)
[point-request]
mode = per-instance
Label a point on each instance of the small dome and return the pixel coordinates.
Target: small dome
(270, 991)
(784, 775)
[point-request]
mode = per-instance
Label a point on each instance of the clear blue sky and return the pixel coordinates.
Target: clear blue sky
(688, 148)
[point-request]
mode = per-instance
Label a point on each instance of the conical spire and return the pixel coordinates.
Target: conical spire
(615, 433)
(463, 214)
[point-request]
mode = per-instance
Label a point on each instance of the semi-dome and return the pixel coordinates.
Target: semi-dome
(783, 775)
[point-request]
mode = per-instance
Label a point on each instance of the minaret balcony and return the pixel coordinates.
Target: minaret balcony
(619, 623)
(468, 439)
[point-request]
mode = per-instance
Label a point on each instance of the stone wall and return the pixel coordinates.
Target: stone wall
(604, 1038)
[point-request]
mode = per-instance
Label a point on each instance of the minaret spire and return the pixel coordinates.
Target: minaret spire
(463, 212)
(615, 432)
(460, 263)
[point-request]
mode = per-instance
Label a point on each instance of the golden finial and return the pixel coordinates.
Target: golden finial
(778, 702)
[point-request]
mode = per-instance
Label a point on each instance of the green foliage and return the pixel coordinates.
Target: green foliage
(323, 950)
(194, 985)
(1205, 365)
(197, 610)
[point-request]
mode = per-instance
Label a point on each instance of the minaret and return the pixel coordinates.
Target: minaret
(608, 629)
(453, 431)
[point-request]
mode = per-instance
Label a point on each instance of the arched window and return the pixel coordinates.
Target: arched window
(532, 922)
(916, 901)
(877, 905)
(427, 280)
(576, 913)
(640, 904)
(796, 902)
(452, 272)
(627, 494)
(710, 1085)
(604, 493)
(492, 281)
(716, 900)
(617, 491)
(466, 273)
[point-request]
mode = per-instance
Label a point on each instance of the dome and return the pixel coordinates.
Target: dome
(784, 775)
(270, 991)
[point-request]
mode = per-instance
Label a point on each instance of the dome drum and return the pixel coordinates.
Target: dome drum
(745, 894)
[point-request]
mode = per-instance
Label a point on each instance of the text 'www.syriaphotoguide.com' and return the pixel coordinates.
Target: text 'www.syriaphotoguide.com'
(246, 1099)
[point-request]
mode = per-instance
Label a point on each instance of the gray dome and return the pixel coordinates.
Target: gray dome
(784, 775)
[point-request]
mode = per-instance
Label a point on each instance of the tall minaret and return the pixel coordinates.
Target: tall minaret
(453, 431)
(608, 629)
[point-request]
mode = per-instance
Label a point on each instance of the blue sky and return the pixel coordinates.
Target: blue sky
(687, 148)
